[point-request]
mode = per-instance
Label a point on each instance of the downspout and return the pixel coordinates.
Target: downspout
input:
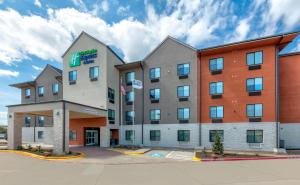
(277, 96)
(34, 135)
(142, 104)
(64, 126)
(199, 97)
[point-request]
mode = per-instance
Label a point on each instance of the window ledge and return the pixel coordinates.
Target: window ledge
(154, 100)
(129, 103)
(217, 120)
(41, 95)
(111, 101)
(111, 122)
(254, 67)
(129, 122)
(154, 121)
(27, 97)
(93, 79)
(56, 93)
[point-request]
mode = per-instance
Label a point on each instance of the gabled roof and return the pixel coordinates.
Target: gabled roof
(129, 65)
(32, 83)
(167, 38)
(84, 33)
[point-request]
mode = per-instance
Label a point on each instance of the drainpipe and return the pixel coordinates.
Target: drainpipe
(142, 104)
(199, 99)
(64, 126)
(34, 135)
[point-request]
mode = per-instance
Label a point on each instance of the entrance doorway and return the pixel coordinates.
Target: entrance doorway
(91, 136)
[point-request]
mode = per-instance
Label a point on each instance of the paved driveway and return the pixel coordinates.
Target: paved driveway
(21, 170)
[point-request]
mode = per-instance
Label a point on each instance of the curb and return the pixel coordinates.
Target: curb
(249, 159)
(36, 156)
(127, 152)
(196, 159)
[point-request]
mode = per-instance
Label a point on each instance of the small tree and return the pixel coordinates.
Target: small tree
(218, 148)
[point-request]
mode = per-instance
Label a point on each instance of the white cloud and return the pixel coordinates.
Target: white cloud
(105, 5)
(241, 30)
(3, 118)
(37, 3)
(37, 68)
(1, 1)
(4, 72)
(80, 4)
(123, 10)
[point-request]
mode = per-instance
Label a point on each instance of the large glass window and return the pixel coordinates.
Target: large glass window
(129, 115)
(55, 88)
(154, 135)
(27, 121)
(216, 64)
(154, 73)
(183, 91)
(183, 69)
(216, 112)
(183, 113)
(130, 76)
(254, 110)
(213, 133)
(94, 72)
(111, 95)
(155, 114)
(129, 135)
(41, 90)
(41, 121)
(216, 88)
(27, 93)
(254, 136)
(129, 96)
(254, 84)
(183, 135)
(72, 76)
(154, 94)
(111, 115)
(254, 58)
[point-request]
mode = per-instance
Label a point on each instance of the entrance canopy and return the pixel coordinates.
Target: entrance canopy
(61, 111)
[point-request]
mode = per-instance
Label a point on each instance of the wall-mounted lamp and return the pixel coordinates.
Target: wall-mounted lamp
(10, 116)
(57, 113)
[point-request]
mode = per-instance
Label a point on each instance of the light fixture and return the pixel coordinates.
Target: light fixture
(57, 113)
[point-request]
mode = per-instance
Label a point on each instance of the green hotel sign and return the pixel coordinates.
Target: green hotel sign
(86, 56)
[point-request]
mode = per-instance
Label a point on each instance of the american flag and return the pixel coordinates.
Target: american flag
(123, 91)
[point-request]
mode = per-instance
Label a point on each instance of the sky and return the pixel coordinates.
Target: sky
(37, 32)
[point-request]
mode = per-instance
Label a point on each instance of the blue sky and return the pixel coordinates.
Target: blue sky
(37, 32)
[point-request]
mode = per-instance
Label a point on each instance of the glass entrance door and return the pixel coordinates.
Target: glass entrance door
(91, 137)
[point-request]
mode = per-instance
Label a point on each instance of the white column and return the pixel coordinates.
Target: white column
(15, 122)
(60, 145)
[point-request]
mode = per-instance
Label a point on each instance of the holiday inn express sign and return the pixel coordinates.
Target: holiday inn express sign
(86, 56)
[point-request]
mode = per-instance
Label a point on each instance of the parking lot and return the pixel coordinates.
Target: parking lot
(110, 170)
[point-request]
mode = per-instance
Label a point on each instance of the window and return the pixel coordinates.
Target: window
(183, 135)
(111, 116)
(41, 90)
(27, 121)
(183, 113)
(154, 73)
(216, 112)
(41, 120)
(129, 115)
(216, 64)
(72, 76)
(254, 110)
(183, 91)
(183, 69)
(130, 76)
(27, 93)
(154, 135)
(155, 114)
(213, 133)
(154, 94)
(254, 84)
(255, 58)
(129, 135)
(254, 136)
(55, 88)
(94, 73)
(216, 88)
(111, 95)
(129, 96)
(73, 135)
(40, 134)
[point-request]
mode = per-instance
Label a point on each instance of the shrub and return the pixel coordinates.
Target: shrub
(218, 148)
